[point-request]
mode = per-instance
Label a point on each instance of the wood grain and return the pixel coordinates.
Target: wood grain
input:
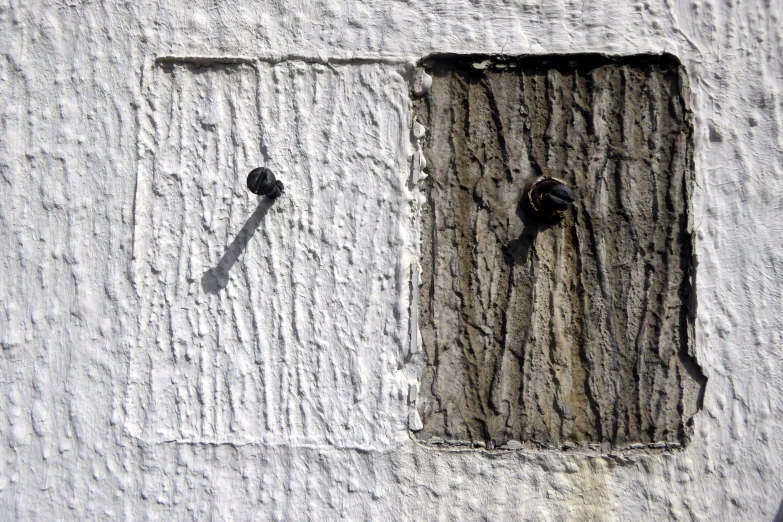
(556, 334)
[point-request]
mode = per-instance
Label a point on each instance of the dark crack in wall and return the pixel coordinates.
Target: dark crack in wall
(566, 334)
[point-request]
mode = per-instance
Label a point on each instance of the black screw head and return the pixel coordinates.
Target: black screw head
(262, 182)
(550, 197)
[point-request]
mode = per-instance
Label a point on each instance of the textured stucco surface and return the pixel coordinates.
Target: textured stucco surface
(316, 305)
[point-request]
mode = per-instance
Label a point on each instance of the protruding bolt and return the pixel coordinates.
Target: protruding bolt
(262, 181)
(550, 197)
(422, 82)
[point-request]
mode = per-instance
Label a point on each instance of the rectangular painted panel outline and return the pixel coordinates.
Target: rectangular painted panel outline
(238, 365)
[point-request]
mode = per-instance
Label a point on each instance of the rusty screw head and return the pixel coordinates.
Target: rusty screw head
(550, 197)
(262, 181)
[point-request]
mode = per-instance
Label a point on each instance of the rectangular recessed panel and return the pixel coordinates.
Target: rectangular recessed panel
(562, 333)
(264, 322)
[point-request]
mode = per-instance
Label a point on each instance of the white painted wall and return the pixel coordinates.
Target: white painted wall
(128, 390)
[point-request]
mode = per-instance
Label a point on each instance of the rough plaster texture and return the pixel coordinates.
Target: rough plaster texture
(83, 311)
(231, 351)
(556, 333)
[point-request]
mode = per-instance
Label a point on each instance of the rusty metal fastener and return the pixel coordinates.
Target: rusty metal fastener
(550, 197)
(262, 181)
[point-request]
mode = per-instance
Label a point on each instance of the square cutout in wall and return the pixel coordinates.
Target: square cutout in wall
(574, 333)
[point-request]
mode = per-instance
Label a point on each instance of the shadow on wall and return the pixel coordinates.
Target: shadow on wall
(779, 514)
(516, 251)
(216, 279)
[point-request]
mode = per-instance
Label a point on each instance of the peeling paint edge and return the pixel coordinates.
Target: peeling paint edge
(418, 60)
(587, 60)
(533, 449)
(252, 60)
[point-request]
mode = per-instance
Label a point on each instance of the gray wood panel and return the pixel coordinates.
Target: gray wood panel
(568, 333)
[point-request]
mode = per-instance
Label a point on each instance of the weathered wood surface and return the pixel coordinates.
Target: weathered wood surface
(566, 333)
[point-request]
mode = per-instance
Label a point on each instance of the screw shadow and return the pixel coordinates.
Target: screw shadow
(779, 514)
(516, 251)
(216, 279)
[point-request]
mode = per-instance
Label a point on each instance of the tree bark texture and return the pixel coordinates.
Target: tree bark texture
(568, 333)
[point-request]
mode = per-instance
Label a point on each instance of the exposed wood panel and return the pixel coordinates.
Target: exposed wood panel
(572, 332)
